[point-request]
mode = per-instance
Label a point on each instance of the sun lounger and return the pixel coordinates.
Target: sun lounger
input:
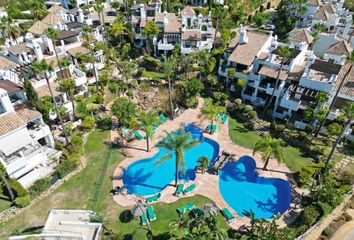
(179, 189)
(163, 118)
(153, 198)
(212, 128)
(189, 189)
(151, 213)
(138, 135)
(189, 206)
(143, 219)
(228, 215)
(224, 118)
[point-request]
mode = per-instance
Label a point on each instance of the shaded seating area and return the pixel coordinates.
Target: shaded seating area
(228, 215)
(182, 209)
(163, 118)
(153, 198)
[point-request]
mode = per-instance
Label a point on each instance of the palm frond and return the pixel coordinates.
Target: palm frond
(163, 158)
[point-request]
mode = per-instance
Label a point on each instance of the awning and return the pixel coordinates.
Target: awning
(15, 141)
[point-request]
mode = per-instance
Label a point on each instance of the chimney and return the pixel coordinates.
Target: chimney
(80, 17)
(5, 101)
(243, 35)
(165, 18)
(38, 51)
(142, 10)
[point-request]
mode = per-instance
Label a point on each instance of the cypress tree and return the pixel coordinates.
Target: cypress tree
(31, 94)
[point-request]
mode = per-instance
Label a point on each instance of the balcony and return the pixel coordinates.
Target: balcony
(290, 103)
(165, 46)
(333, 114)
(39, 132)
(80, 77)
(300, 125)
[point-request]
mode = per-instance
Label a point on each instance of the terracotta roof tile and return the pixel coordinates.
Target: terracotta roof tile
(191, 35)
(273, 73)
(6, 63)
(52, 19)
(340, 48)
(246, 53)
(322, 14)
(38, 28)
(348, 85)
(26, 113)
(188, 10)
(19, 48)
(44, 90)
(300, 35)
(9, 122)
(56, 9)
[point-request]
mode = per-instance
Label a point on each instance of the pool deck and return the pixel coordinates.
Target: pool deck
(207, 184)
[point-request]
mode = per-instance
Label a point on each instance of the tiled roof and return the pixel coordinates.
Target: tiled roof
(348, 84)
(191, 35)
(329, 8)
(300, 35)
(44, 90)
(6, 63)
(26, 113)
(63, 34)
(81, 49)
(9, 86)
(52, 19)
(340, 48)
(38, 28)
(245, 53)
(56, 9)
(19, 48)
(313, 2)
(322, 14)
(10, 121)
(273, 73)
(188, 10)
(53, 60)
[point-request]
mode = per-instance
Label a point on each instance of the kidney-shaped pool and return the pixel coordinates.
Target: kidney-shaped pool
(244, 190)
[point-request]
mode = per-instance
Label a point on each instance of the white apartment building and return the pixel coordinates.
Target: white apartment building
(65, 224)
(26, 142)
(70, 4)
(254, 57)
(191, 32)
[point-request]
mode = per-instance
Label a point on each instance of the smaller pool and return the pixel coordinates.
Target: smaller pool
(244, 190)
(144, 177)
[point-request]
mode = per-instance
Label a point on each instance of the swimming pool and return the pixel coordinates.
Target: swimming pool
(244, 190)
(144, 177)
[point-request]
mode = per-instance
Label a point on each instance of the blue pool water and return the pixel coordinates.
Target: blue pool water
(244, 190)
(144, 177)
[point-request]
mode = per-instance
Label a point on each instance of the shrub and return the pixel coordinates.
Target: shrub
(279, 128)
(23, 201)
(309, 215)
(247, 108)
(99, 98)
(65, 167)
(329, 231)
(309, 128)
(268, 5)
(324, 208)
(19, 191)
(104, 123)
(238, 102)
(88, 123)
(252, 114)
(302, 135)
(39, 186)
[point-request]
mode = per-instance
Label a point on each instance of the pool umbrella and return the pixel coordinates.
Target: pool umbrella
(138, 209)
(210, 208)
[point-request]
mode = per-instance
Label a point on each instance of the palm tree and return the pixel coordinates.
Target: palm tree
(350, 62)
(271, 147)
(150, 31)
(348, 114)
(68, 86)
(284, 53)
(147, 121)
(211, 111)
(53, 34)
(10, 29)
(99, 8)
(168, 66)
(177, 143)
(117, 30)
(3, 175)
(40, 68)
(204, 162)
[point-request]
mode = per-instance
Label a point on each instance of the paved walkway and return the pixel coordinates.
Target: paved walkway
(135, 150)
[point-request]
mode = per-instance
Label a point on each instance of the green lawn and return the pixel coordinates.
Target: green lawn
(293, 157)
(4, 204)
(90, 189)
(153, 75)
